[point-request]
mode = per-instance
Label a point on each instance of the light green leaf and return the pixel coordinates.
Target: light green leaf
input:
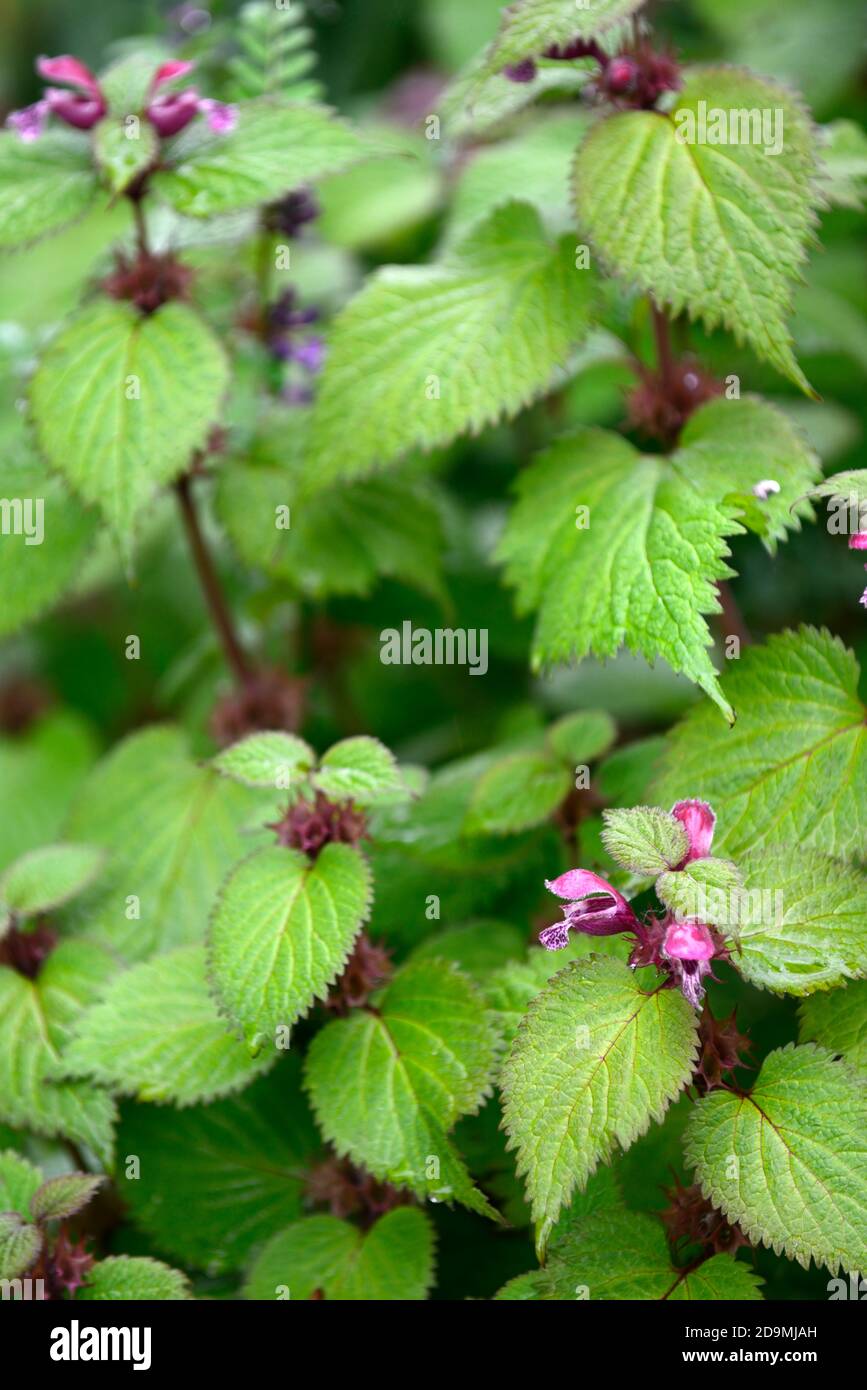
(41, 769)
(121, 401)
(581, 737)
(48, 877)
(156, 1035)
(133, 1278)
(787, 1162)
(217, 1180)
(644, 839)
(64, 1195)
(18, 1182)
(359, 769)
(801, 924)
(844, 164)
(392, 1262)
(281, 933)
(838, 1021)
(171, 829)
(266, 760)
(275, 55)
(518, 792)
(431, 1049)
(36, 1020)
(793, 771)
(709, 889)
(716, 229)
(635, 564)
(477, 948)
(276, 146)
(595, 1060)
(426, 353)
(44, 185)
(124, 151)
(531, 26)
(531, 1287)
(377, 202)
(618, 1255)
(20, 1243)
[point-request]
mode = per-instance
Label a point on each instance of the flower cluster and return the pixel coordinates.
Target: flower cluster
(682, 949)
(859, 542)
(81, 102)
(635, 78)
(284, 319)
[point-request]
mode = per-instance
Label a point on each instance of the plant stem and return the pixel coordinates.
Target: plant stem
(141, 230)
(731, 618)
(217, 606)
(662, 334)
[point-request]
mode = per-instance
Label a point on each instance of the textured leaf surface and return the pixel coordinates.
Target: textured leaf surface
(64, 1195)
(18, 1182)
(156, 1034)
(838, 1021)
(425, 353)
(705, 888)
(36, 1019)
(133, 1278)
(46, 878)
(122, 156)
(217, 1180)
(716, 229)
(530, 26)
(594, 1061)
(393, 1262)
(793, 771)
(645, 839)
(787, 1162)
(359, 769)
(120, 402)
(43, 186)
(642, 571)
(276, 146)
(171, 829)
(430, 1049)
(265, 760)
(281, 932)
(20, 1242)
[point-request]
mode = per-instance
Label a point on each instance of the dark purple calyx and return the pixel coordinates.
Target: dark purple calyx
(309, 825)
(27, 951)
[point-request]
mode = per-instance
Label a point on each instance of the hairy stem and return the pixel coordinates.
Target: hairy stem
(214, 597)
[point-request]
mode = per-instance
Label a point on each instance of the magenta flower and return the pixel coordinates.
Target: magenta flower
(858, 541)
(698, 820)
(689, 947)
(594, 907)
(85, 105)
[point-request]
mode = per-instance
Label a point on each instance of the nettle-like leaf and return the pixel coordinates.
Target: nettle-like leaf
(133, 1278)
(704, 888)
(430, 1048)
(618, 1255)
(276, 146)
(121, 401)
(124, 151)
(838, 1021)
(43, 185)
(793, 771)
(595, 1060)
(359, 769)
(520, 790)
(41, 770)
(392, 1262)
(20, 1243)
(844, 164)
(217, 1180)
(36, 1021)
(64, 1195)
(266, 760)
(530, 26)
(716, 229)
(581, 737)
(641, 572)
(275, 53)
(476, 948)
(48, 877)
(426, 353)
(787, 1161)
(156, 1034)
(281, 932)
(801, 922)
(171, 829)
(19, 1181)
(644, 839)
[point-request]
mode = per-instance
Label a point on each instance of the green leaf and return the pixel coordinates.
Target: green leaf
(156, 1034)
(41, 770)
(838, 1021)
(276, 146)
(217, 1180)
(359, 769)
(709, 889)
(793, 771)
(171, 829)
(376, 203)
(281, 933)
(618, 1255)
(36, 1020)
(48, 877)
(801, 924)
(266, 760)
(531, 1287)
(518, 792)
(787, 1161)
(64, 1195)
(120, 402)
(43, 186)
(275, 52)
(133, 1278)
(530, 26)
(430, 1048)
(844, 164)
(644, 839)
(595, 1060)
(392, 1262)
(581, 737)
(124, 151)
(477, 948)
(426, 353)
(18, 1182)
(20, 1243)
(717, 229)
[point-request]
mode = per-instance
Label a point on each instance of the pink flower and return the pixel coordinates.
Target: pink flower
(689, 948)
(698, 820)
(858, 541)
(594, 907)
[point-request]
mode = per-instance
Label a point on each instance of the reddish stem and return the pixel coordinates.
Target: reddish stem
(220, 615)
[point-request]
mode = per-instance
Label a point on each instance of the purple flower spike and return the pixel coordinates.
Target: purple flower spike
(171, 113)
(594, 907)
(698, 820)
(310, 354)
(556, 937)
(74, 108)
